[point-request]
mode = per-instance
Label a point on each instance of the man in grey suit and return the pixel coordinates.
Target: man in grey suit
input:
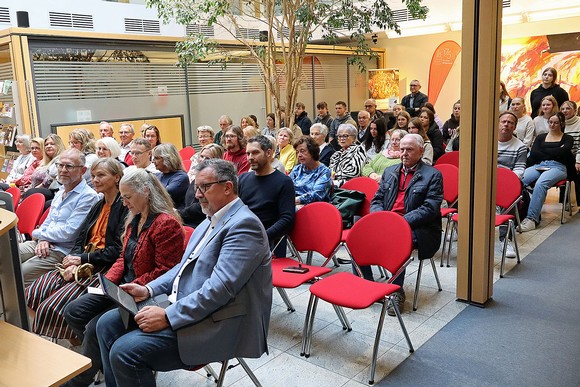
(220, 294)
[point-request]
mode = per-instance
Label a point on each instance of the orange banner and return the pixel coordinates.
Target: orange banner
(441, 63)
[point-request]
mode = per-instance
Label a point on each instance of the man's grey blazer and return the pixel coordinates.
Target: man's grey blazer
(224, 298)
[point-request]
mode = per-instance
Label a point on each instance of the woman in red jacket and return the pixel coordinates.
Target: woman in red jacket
(153, 244)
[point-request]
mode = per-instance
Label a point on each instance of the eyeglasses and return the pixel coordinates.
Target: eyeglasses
(204, 136)
(204, 187)
(67, 167)
(231, 136)
(344, 136)
(136, 153)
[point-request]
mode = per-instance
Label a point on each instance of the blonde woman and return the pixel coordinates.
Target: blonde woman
(84, 141)
(285, 152)
(44, 177)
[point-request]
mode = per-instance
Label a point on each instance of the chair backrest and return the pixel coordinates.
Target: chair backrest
(450, 182)
(188, 232)
(449, 158)
(43, 217)
(317, 227)
(509, 188)
(29, 212)
(366, 185)
(187, 152)
(186, 164)
(382, 238)
(15, 192)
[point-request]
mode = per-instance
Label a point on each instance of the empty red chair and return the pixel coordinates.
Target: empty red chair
(29, 212)
(187, 152)
(449, 158)
(450, 194)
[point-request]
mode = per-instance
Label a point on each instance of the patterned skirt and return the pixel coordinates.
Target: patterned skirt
(48, 296)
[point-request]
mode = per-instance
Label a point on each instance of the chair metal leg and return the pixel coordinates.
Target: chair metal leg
(222, 376)
(377, 341)
(342, 317)
(308, 323)
(445, 241)
(286, 299)
(416, 296)
(435, 273)
(383, 272)
(250, 373)
(504, 249)
(515, 241)
(566, 201)
(450, 243)
(402, 324)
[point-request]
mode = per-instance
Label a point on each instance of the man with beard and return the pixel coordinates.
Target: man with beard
(235, 145)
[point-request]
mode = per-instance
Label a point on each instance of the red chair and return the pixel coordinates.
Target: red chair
(317, 227)
(449, 158)
(508, 193)
(367, 186)
(186, 164)
(29, 212)
(188, 232)
(187, 152)
(16, 194)
(567, 200)
(43, 217)
(450, 194)
(368, 246)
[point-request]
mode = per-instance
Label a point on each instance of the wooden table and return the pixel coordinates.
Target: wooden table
(29, 360)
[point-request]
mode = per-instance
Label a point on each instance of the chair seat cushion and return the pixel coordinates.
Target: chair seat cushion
(447, 211)
(350, 291)
(282, 279)
(499, 219)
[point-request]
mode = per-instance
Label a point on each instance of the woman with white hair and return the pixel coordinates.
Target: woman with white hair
(108, 147)
(22, 162)
(347, 162)
(171, 172)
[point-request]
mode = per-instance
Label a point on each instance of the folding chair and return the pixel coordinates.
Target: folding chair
(317, 227)
(29, 212)
(508, 193)
(368, 246)
(450, 194)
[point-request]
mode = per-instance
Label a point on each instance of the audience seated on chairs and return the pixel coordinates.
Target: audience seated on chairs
(141, 156)
(453, 122)
(285, 151)
(420, 210)
(570, 111)
(220, 307)
(312, 179)
(347, 162)
(205, 136)
(319, 132)
(432, 131)
(54, 239)
(98, 244)
(550, 161)
(23, 161)
(153, 244)
(126, 134)
(268, 192)
(191, 213)
(548, 107)
(388, 157)
(37, 152)
(171, 172)
(511, 154)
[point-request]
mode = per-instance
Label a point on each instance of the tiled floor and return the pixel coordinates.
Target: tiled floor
(340, 358)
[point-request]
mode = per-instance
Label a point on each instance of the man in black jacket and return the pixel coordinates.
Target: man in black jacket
(414, 101)
(415, 191)
(301, 118)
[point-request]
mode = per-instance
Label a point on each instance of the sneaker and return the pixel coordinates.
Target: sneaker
(399, 298)
(528, 225)
(509, 251)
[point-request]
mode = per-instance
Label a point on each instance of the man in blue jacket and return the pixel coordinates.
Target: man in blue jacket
(415, 191)
(220, 294)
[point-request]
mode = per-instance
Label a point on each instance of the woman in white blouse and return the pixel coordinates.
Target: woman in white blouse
(22, 162)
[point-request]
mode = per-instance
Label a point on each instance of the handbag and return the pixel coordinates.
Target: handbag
(348, 202)
(82, 271)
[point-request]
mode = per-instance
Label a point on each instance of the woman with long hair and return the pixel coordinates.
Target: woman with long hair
(152, 135)
(153, 243)
(377, 141)
(416, 127)
(548, 107)
(504, 98)
(171, 172)
(549, 161)
(548, 86)
(432, 131)
(453, 122)
(270, 128)
(98, 244)
(43, 179)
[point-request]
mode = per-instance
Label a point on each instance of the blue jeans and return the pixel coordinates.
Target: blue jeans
(130, 356)
(544, 181)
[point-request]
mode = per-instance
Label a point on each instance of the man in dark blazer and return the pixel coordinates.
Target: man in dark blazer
(414, 190)
(414, 101)
(220, 294)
